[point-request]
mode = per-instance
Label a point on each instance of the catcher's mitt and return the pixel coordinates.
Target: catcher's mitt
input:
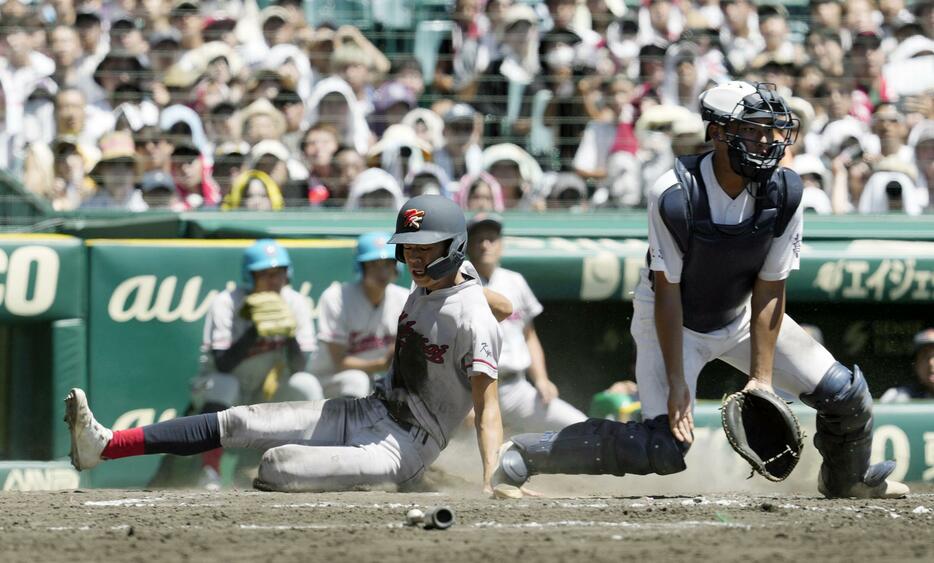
(270, 313)
(764, 431)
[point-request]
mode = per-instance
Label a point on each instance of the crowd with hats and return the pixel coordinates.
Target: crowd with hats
(497, 104)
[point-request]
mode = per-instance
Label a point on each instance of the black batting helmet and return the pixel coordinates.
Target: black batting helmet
(428, 219)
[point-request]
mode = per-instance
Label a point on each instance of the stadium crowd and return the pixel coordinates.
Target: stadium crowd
(498, 104)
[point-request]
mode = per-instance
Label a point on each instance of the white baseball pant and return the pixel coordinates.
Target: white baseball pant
(332, 445)
(523, 411)
(800, 361)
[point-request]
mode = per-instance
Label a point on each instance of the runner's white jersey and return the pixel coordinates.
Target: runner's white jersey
(444, 338)
(515, 355)
(346, 317)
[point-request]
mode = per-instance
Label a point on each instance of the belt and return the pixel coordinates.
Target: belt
(394, 410)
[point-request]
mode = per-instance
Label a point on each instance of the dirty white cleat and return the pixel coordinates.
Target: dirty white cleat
(88, 437)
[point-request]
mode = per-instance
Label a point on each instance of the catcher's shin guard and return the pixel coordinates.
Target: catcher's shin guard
(844, 431)
(594, 447)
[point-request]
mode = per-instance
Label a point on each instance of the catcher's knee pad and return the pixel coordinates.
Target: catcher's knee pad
(218, 389)
(595, 447)
(844, 430)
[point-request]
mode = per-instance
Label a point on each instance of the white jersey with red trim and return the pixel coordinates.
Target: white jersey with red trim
(346, 317)
(444, 338)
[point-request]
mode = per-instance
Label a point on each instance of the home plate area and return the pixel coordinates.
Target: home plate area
(150, 525)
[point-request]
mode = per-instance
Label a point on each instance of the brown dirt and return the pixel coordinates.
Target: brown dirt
(242, 525)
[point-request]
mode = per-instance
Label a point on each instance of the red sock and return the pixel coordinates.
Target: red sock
(125, 443)
(212, 459)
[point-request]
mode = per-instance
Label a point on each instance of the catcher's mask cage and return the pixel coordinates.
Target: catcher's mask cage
(755, 123)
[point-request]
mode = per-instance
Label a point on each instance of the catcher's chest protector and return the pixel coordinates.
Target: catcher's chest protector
(721, 262)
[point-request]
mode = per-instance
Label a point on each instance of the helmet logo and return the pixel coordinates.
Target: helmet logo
(270, 249)
(412, 218)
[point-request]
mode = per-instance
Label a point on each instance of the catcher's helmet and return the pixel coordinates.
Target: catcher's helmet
(263, 255)
(746, 113)
(427, 219)
(373, 246)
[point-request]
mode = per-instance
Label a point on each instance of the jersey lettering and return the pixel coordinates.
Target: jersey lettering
(434, 353)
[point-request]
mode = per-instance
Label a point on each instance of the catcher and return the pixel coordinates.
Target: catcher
(724, 234)
(257, 340)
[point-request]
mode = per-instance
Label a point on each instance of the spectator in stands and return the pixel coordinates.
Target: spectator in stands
(261, 121)
(610, 132)
(290, 105)
(153, 150)
(66, 52)
(165, 47)
(222, 123)
(685, 78)
(186, 18)
(359, 63)
(375, 188)
(564, 190)
(273, 158)
(426, 178)
(461, 153)
(890, 188)
(229, 163)
(115, 175)
(192, 178)
(254, 191)
(158, 191)
(72, 118)
(94, 44)
(888, 124)
(773, 26)
(465, 55)
(480, 192)
(72, 185)
(333, 102)
(318, 146)
(816, 180)
(518, 70)
(399, 151)
(429, 127)
(827, 16)
(408, 71)
(277, 26)
(660, 22)
(347, 165)
(391, 102)
(866, 59)
(126, 35)
(518, 173)
(923, 386)
(740, 36)
(24, 65)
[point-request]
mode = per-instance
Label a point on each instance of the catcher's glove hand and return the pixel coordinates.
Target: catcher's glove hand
(270, 313)
(764, 431)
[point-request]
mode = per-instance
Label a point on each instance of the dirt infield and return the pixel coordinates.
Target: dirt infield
(242, 525)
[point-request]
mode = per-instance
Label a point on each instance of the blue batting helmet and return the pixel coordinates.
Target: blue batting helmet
(263, 255)
(373, 246)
